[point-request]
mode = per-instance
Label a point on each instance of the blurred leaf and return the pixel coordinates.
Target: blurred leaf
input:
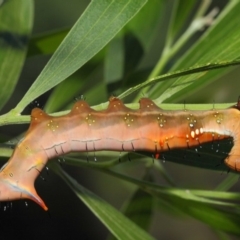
(215, 47)
(228, 182)
(139, 208)
(46, 43)
(120, 226)
(202, 196)
(16, 19)
(76, 86)
(6, 152)
(97, 93)
(95, 28)
(220, 219)
(200, 204)
(139, 26)
(180, 15)
(68, 88)
(114, 60)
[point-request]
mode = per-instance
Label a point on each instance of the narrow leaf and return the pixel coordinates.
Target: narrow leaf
(218, 45)
(16, 19)
(95, 28)
(120, 226)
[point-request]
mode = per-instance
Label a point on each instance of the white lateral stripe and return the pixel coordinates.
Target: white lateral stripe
(218, 131)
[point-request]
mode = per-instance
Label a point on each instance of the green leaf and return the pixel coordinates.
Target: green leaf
(139, 208)
(114, 60)
(200, 204)
(46, 43)
(120, 226)
(220, 219)
(161, 190)
(79, 84)
(180, 15)
(228, 182)
(212, 48)
(184, 77)
(100, 22)
(139, 26)
(16, 19)
(68, 89)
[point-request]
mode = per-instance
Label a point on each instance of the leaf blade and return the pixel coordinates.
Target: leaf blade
(16, 20)
(118, 224)
(95, 28)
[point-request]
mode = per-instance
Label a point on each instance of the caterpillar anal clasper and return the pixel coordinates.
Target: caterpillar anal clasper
(117, 128)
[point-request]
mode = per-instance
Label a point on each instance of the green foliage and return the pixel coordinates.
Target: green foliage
(118, 38)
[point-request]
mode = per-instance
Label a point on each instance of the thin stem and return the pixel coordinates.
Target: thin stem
(197, 24)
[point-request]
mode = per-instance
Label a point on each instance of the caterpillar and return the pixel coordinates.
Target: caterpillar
(117, 128)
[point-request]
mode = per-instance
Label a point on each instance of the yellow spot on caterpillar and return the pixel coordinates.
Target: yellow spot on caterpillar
(197, 131)
(219, 117)
(53, 126)
(201, 130)
(128, 120)
(161, 120)
(90, 120)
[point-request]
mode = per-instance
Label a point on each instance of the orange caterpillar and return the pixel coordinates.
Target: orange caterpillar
(117, 128)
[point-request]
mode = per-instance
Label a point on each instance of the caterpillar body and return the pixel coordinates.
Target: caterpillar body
(117, 128)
